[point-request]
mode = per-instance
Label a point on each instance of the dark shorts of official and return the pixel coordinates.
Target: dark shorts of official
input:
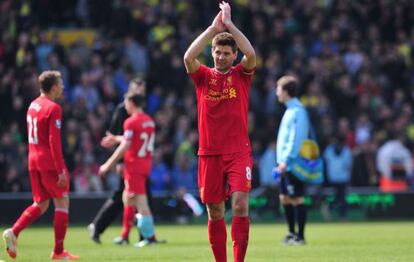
(291, 186)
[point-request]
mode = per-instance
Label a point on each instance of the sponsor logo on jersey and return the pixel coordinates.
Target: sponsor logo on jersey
(58, 123)
(225, 94)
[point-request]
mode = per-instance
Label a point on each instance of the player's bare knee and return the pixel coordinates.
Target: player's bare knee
(44, 205)
(240, 210)
(285, 200)
(298, 201)
(62, 203)
(215, 211)
(129, 202)
(240, 207)
(144, 210)
(240, 203)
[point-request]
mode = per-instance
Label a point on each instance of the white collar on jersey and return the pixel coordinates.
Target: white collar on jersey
(225, 73)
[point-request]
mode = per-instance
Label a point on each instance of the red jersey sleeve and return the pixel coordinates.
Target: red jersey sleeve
(55, 143)
(199, 75)
(128, 131)
(244, 73)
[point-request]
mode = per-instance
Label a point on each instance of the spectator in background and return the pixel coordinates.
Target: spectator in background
(267, 181)
(43, 50)
(394, 162)
(12, 181)
(85, 175)
(136, 55)
(364, 173)
(363, 129)
(86, 94)
(184, 184)
(160, 178)
(346, 131)
(266, 165)
(338, 162)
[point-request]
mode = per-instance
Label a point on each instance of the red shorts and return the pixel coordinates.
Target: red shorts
(44, 185)
(135, 182)
(221, 175)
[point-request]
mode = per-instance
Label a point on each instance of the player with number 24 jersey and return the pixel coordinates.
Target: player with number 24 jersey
(139, 130)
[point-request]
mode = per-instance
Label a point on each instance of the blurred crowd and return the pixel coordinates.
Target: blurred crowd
(354, 59)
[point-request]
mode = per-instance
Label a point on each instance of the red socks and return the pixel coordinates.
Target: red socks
(60, 224)
(240, 236)
(28, 216)
(217, 236)
(127, 221)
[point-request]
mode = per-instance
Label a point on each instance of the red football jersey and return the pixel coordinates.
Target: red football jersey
(44, 121)
(222, 105)
(139, 130)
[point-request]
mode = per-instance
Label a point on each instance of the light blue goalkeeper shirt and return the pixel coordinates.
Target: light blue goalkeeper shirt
(293, 130)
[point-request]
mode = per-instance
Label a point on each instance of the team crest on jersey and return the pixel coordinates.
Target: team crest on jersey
(248, 173)
(232, 92)
(58, 123)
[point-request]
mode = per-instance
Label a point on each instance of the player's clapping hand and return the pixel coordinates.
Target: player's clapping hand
(109, 140)
(218, 23)
(225, 13)
(62, 179)
(103, 170)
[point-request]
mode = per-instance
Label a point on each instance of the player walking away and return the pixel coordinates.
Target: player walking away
(49, 177)
(225, 162)
(136, 147)
(293, 130)
(113, 205)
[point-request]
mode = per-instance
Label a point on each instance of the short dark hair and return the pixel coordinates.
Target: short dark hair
(289, 84)
(137, 99)
(137, 82)
(223, 39)
(48, 79)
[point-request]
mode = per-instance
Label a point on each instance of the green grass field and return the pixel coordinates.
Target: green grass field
(365, 242)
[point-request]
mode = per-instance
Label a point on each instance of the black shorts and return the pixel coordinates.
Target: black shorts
(291, 186)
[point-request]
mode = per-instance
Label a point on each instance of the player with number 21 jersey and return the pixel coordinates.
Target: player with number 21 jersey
(44, 121)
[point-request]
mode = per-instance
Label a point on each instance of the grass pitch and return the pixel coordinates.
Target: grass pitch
(365, 242)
